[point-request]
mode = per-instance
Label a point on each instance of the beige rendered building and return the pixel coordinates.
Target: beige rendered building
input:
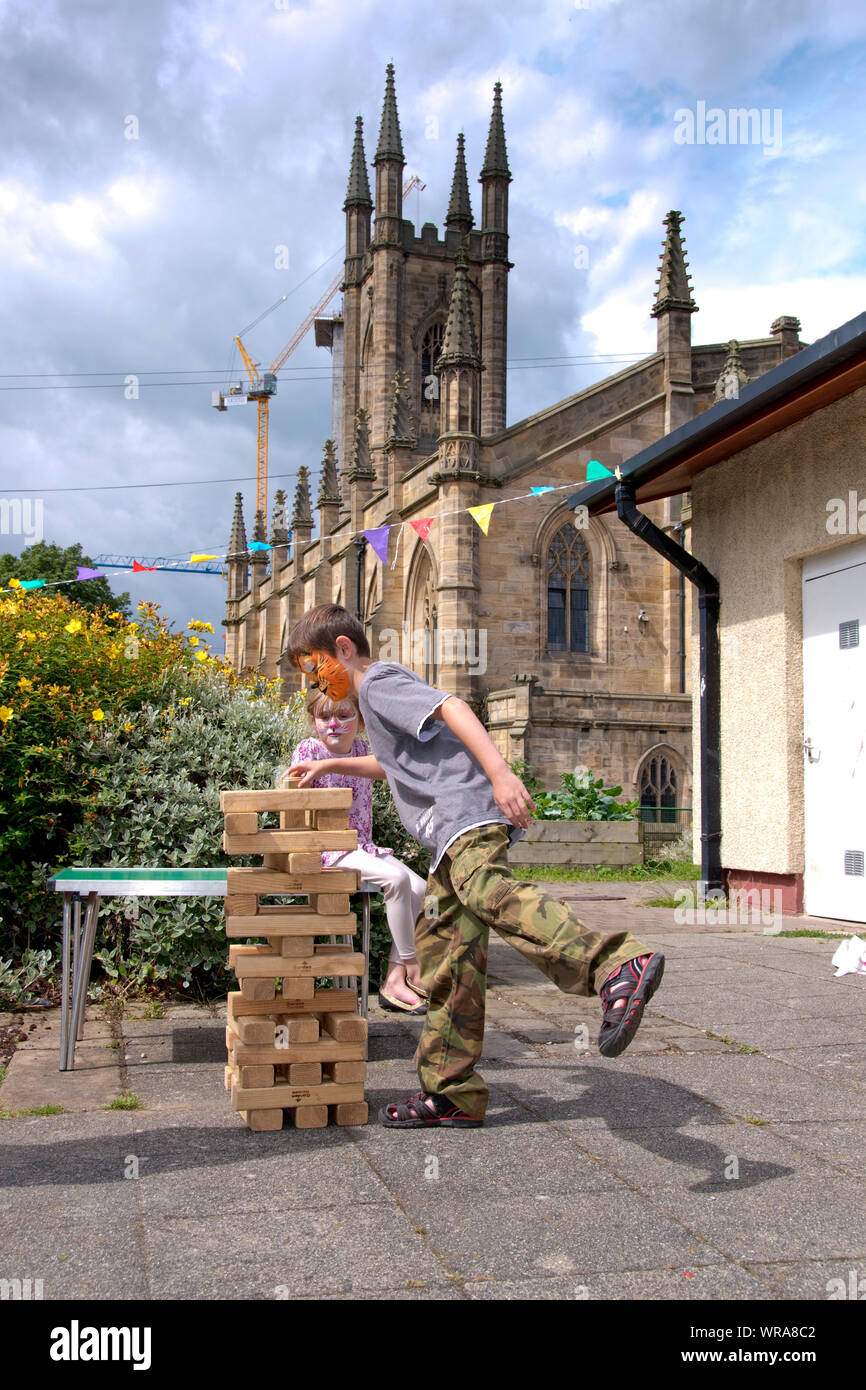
(565, 632)
(777, 478)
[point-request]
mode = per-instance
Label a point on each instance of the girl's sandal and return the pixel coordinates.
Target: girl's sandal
(416, 1113)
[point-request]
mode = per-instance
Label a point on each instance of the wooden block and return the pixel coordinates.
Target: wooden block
(289, 946)
(269, 799)
(280, 862)
(258, 988)
(305, 1073)
(264, 1097)
(330, 904)
(241, 905)
(293, 820)
(288, 841)
(331, 820)
(324, 1050)
(296, 1030)
(345, 1027)
(230, 1076)
(346, 1071)
(258, 1075)
(246, 824)
(326, 960)
(299, 991)
(291, 921)
(350, 1113)
(268, 882)
(261, 1120)
(311, 1116)
(303, 863)
(331, 1000)
(255, 1032)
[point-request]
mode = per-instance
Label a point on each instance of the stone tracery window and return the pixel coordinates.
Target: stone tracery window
(568, 592)
(431, 347)
(658, 790)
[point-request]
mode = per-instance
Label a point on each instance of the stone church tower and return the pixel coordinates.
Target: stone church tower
(571, 641)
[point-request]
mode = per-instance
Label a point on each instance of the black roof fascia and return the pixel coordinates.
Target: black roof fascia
(785, 380)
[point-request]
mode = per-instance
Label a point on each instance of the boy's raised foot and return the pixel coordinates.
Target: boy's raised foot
(624, 995)
(426, 1109)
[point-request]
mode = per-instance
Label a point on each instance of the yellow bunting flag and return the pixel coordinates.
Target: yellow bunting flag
(482, 514)
(194, 559)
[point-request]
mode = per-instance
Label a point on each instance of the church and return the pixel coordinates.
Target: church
(568, 637)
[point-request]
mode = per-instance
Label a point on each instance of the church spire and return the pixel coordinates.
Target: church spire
(460, 209)
(358, 192)
(496, 158)
(238, 540)
(459, 344)
(390, 141)
(674, 288)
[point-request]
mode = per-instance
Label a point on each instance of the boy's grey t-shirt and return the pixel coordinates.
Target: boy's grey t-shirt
(439, 788)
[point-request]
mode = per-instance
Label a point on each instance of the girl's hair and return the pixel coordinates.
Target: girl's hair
(319, 706)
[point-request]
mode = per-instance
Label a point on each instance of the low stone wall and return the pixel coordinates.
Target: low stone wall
(579, 842)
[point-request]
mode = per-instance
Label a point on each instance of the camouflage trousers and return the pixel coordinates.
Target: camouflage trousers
(472, 890)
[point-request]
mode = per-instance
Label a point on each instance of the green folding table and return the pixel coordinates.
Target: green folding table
(92, 885)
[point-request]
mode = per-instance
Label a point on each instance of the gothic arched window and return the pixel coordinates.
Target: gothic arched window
(568, 592)
(431, 347)
(658, 790)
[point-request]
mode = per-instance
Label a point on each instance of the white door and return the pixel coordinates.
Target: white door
(834, 679)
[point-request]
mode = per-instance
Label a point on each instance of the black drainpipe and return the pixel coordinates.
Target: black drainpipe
(679, 532)
(360, 546)
(710, 727)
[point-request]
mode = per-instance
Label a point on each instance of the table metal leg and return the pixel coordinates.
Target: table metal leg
(64, 1001)
(69, 1049)
(88, 940)
(365, 947)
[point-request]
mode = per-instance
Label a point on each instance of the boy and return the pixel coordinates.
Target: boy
(458, 797)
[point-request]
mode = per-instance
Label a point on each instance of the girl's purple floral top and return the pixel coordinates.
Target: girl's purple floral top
(361, 814)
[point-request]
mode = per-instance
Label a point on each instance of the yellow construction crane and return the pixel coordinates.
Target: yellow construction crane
(263, 385)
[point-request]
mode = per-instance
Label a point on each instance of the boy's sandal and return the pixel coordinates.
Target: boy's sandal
(394, 1006)
(415, 1113)
(635, 982)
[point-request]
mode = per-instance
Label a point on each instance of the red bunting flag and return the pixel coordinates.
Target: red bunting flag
(139, 569)
(422, 526)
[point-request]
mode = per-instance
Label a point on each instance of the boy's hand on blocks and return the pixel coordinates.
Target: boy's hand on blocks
(512, 798)
(302, 774)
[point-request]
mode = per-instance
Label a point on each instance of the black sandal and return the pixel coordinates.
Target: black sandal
(636, 982)
(415, 1114)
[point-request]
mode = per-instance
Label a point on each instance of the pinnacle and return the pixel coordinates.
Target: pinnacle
(329, 486)
(238, 540)
(460, 208)
(674, 288)
(358, 192)
(259, 531)
(496, 158)
(459, 344)
(390, 141)
(302, 514)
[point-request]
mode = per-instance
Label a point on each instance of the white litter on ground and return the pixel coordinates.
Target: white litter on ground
(850, 957)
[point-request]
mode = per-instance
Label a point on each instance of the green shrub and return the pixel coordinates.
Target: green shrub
(581, 797)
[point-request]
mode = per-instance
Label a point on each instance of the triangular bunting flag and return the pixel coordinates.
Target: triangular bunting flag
(254, 545)
(85, 573)
(596, 470)
(139, 569)
(194, 559)
(422, 526)
(482, 514)
(378, 538)
(32, 583)
(537, 491)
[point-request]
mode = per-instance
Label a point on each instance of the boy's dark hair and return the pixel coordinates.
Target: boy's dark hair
(319, 629)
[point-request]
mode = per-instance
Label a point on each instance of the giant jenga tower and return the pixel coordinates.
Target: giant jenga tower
(302, 1049)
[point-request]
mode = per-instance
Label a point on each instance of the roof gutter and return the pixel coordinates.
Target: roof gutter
(710, 676)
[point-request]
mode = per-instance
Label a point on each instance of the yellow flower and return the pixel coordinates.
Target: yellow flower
(98, 715)
(73, 626)
(5, 713)
(201, 656)
(193, 641)
(127, 726)
(25, 684)
(54, 689)
(115, 615)
(9, 606)
(14, 583)
(197, 626)
(185, 701)
(133, 626)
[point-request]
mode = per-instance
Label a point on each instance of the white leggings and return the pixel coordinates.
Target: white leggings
(404, 895)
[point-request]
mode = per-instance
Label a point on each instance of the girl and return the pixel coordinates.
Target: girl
(337, 725)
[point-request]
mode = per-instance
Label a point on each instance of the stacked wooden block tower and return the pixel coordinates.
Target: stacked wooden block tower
(300, 1049)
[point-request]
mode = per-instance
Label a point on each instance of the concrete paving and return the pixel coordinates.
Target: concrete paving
(722, 1156)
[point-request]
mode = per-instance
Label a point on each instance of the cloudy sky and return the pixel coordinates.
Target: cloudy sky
(157, 154)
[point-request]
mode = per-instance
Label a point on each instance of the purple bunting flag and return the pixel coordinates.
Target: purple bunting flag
(378, 538)
(85, 573)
